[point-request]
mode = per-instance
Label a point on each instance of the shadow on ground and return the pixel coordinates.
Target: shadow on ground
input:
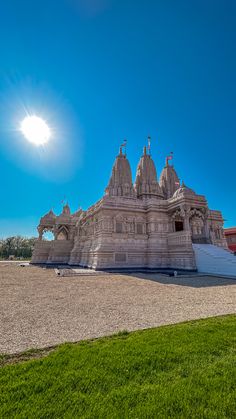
(194, 281)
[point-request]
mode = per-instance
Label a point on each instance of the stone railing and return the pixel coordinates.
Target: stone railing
(201, 240)
(179, 238)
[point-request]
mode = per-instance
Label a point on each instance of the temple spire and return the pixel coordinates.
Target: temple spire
(169, 180)
(146, 184)
(120, 183)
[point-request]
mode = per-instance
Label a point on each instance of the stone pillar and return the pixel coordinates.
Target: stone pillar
(186, 219)
(207, 229)
(186, 223)
(40, 231)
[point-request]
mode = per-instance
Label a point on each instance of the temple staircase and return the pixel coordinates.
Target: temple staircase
(214, 260)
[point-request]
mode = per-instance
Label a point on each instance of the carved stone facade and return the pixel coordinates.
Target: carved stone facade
(142, 225)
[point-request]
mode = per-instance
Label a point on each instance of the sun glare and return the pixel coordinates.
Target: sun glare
(35, 130)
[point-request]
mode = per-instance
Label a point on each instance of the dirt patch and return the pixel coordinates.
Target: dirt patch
(39, 309)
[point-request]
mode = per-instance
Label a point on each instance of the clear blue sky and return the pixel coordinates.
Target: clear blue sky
(100, 71)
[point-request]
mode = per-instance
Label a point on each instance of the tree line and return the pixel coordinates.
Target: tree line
(17, 247)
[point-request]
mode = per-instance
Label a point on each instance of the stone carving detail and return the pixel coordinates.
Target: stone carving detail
(195, 212)
(217, 232)
(197, 225)
(197, 220)
(178, 215)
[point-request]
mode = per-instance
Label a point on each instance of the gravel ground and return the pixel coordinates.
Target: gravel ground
(39, 309)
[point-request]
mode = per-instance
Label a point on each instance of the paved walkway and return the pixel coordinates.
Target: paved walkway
(40, 309)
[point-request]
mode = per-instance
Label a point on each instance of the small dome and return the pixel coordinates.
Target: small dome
(50, 215)
(184, 191)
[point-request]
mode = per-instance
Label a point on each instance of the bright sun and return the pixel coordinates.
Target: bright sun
(35, 130)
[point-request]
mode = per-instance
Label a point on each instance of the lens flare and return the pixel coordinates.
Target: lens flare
(35, 130)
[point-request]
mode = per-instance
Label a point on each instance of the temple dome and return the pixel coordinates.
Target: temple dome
(184, 191)
(169, 181)
(49, 216)
(146, 183)
(120, 183)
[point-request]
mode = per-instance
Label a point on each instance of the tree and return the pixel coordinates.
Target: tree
(18, 246)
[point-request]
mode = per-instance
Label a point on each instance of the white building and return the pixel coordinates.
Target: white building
(148, 224)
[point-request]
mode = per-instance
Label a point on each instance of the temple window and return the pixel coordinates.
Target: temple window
(179, 226)
(118, 227)
(139, 228)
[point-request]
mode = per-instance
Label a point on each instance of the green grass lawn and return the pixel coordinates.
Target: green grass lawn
(181, 371)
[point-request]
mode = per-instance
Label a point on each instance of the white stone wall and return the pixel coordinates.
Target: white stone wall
(119, 232)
